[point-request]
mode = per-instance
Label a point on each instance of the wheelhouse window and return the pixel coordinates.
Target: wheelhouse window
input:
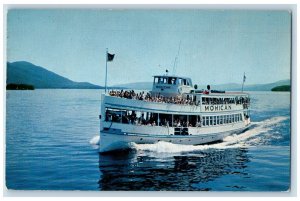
(165, 80)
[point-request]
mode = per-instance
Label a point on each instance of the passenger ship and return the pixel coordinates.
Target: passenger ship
(174, 111)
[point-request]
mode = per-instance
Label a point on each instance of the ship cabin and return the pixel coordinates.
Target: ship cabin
(170, 86)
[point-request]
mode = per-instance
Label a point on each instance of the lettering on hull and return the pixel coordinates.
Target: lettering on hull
(213, 108)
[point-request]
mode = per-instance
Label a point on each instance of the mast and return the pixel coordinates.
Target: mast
(176, 58)
(244, 79)
(106, 69)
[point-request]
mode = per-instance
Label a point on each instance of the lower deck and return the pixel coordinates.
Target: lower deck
(117, 128)
(115, 139)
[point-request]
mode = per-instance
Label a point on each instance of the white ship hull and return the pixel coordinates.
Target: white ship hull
(111, 141)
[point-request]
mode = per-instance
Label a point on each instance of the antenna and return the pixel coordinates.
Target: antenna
(176, 59)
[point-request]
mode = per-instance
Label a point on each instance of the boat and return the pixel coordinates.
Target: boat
(173, 111)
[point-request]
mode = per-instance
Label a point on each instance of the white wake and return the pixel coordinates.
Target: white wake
(95, 140)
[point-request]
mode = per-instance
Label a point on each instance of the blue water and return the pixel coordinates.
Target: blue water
(51, 144)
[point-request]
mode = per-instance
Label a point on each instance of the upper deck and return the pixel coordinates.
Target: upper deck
(189, 103)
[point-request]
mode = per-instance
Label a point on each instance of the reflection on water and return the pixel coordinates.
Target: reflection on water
(136, 170)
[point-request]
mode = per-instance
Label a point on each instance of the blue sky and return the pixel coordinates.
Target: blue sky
(217, 46)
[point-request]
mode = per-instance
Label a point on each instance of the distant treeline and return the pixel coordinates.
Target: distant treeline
(13, 86)
(282, 88)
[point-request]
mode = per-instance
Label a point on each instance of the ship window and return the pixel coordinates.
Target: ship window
(181, 82)
(180, 120)
(160, 80)
(114, 115)
(214, 120)
(174, 80)
(199, 122)
(221, 119)
(165, 120)
(192, 120)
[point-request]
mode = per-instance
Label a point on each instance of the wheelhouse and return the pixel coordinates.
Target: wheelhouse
(171, 85)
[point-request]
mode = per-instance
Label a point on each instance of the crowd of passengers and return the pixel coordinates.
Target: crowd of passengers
(176, 100)
(133, 119)
(217, 101)
(147, 97)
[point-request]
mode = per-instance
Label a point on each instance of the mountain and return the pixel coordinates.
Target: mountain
(226, 87)
(267, 87)
(23, 72)
(282, 88)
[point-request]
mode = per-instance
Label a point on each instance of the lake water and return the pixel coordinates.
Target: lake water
(51, 144)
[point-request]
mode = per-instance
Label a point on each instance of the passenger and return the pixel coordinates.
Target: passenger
(136, 122)
(142, 120)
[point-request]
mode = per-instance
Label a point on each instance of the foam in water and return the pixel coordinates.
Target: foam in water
(95, 140)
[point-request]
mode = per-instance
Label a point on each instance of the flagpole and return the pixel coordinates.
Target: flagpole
(106, 70)
(243, 83)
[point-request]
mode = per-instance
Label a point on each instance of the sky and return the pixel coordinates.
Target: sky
(211, 46)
